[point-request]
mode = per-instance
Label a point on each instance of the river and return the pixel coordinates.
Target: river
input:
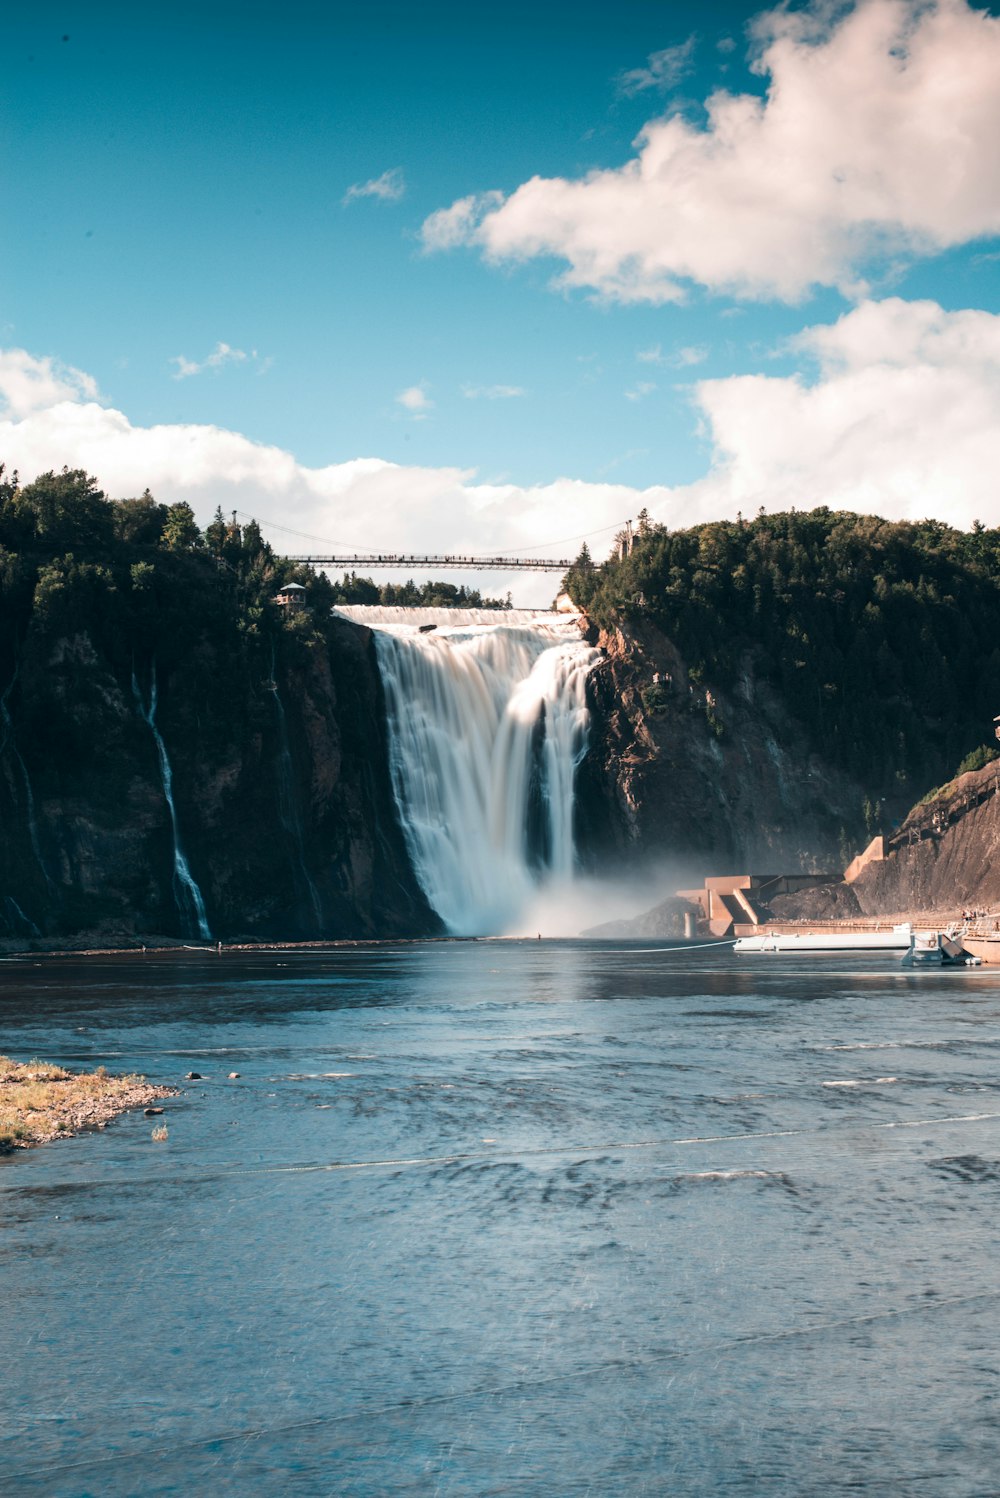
(547, 1218)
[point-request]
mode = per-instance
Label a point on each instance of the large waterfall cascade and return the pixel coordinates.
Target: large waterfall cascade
(488, 721)
(187, 895)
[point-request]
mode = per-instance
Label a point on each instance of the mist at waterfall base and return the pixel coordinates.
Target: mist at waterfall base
(487, 717)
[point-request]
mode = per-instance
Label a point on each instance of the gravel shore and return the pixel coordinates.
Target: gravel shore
(40, 1102)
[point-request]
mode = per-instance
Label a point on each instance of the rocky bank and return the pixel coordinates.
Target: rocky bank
(713, 781)
(279, 778)
(944, 857)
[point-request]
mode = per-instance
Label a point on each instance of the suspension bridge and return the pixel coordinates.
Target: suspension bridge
(351, 562)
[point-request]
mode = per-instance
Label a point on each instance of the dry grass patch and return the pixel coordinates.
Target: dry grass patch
(39, 1101)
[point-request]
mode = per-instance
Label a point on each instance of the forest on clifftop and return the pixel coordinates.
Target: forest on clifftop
(883, 637)
(142, 579)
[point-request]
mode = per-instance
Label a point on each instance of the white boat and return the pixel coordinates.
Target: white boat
(895, 940)
(937, 949)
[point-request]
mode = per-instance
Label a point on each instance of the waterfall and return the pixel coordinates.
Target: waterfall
(187, 895)
(487, 725)
(288, 804)
(16, 918)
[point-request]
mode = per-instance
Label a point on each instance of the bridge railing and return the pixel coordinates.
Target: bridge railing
(424, 561)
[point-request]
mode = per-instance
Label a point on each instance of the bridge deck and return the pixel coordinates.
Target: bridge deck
(471, 564)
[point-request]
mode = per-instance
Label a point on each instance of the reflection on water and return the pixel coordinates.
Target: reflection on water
(518, 1218)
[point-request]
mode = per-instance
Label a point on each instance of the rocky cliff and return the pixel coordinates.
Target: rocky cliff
(278, 773)
(945, 858)
(714, 780)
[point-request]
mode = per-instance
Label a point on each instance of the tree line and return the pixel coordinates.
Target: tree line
(127, 581)
(882, 637)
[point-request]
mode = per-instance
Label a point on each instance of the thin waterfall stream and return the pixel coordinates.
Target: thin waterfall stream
(187, 895)
(488, 720)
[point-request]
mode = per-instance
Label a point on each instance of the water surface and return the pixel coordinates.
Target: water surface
(509, 1218)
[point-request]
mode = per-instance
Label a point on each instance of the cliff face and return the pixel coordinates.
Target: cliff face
(946, 855)
(719, 781)
(279, 778)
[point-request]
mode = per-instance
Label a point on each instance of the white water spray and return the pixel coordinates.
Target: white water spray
(187, 895)
(488, 722)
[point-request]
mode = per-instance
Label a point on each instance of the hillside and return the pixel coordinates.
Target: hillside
(876, 641)
(272, 726)
(944, 857)
(770, 694)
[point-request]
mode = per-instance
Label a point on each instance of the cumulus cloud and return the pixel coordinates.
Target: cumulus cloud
(901, 418)
(388, 188)
(416, 401)
(364, 504)
(220, 356)
(663, 70)
(876, 136)
(460, 224)
(895, 410)
(29, 384)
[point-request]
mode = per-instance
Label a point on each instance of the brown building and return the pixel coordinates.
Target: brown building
(291, 597)
(728, 900)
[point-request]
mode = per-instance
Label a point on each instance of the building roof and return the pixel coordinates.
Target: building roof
(290, 588)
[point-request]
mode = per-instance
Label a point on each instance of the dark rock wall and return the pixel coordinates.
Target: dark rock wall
(718, 782)
(945, 856)
(87, 848)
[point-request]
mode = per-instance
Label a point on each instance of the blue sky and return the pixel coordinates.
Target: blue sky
(184, 256)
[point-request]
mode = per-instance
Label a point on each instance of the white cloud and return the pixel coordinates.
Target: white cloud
(388, 188)
(681, 358)
(640, 390)
(492, 392)
(877, 136)
(220, 356)
(902, 419)
(896, 411)
(416, 401)
(459, 224)
(363, 503)
(663, 70)
(29, 384)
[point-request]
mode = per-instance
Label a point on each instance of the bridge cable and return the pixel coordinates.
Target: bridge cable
(479, 556)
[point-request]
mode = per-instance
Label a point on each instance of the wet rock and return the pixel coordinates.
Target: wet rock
(233, 1075)
(193, 1076)
(152, 1112)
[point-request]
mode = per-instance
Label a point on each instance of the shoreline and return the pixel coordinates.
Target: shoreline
(160, 946)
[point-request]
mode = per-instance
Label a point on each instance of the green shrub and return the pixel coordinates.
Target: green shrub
(984, 755)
